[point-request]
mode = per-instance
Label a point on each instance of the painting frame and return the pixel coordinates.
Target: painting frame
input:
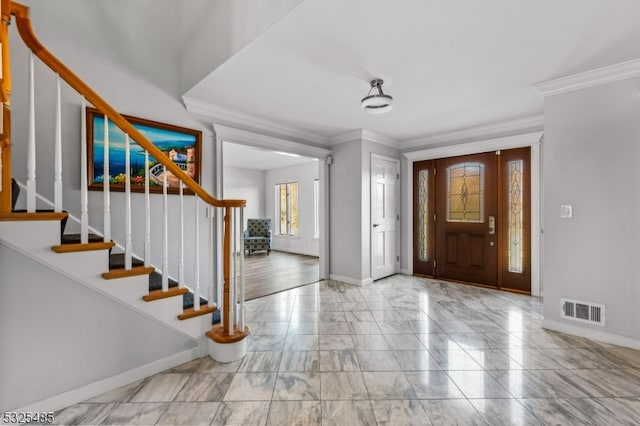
(182, 144)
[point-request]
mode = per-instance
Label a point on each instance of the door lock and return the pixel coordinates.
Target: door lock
(492, 225)
(375, 225)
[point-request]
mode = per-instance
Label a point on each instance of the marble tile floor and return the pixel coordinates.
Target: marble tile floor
(403, 350)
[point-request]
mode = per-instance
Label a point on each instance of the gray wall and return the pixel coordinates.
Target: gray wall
(591, 152)
(58, 335)
(345, 185)
(350, 207)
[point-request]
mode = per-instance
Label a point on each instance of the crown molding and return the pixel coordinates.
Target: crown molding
(363, 134)
(480, 132)
(487, 145)
(270, 143)
(248, 121)
(378, 138)
(590, 78)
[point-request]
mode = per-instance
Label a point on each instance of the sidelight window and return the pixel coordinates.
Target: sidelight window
(516, 221)
(423, 215)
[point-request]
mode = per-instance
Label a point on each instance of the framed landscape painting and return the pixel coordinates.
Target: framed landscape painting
(180, 144)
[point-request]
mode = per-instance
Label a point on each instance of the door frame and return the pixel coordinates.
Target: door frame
(375, 156)
(532, 140)
(224, 133)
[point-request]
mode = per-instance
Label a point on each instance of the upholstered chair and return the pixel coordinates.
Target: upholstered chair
(258, 235)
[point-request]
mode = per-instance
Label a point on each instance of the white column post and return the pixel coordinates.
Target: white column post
(127, 189)
(196, 288)
(212, 293)
(31, 141)
(181, 248)
(147, 213)
(84, 191)
(105, 183)
(165, 233)
(57, 166)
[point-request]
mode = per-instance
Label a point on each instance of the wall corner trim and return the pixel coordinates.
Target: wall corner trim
(590, 78)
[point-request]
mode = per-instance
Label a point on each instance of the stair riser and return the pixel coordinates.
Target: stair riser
(31, 235)
(37, 237)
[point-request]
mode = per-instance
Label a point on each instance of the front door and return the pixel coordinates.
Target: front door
(471, 219)
(384, 216)
(466, 212)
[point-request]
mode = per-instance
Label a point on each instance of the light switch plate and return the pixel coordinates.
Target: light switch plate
(566, 211)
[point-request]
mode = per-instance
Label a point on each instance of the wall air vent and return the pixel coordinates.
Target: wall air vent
(593, 313)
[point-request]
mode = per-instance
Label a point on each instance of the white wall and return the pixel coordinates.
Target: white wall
(59, 335)
(305, 175)
(216, 30)
(590, 159)
(245, 184)
(68, 32)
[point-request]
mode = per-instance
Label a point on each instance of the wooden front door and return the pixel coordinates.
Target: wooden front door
(466, 213)
(471, 219)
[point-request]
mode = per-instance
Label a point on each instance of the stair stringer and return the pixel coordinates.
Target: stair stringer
(35, 239)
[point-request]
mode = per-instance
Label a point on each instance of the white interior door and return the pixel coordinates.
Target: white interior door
(385, 179)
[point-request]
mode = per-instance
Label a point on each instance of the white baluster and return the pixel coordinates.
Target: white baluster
(232, 278)
(147, 213)
(212, 293)
(196, 289)
(105, 183)
(31, 142)
(57, 167)
(127, 209)
(242, 286)
(165, 233)
(181, 248)
(84, 191)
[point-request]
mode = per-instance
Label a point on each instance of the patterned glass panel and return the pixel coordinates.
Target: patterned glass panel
(465, 193)
(515, 215)
(423, 214)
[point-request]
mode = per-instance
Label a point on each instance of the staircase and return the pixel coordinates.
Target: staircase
(91, 256)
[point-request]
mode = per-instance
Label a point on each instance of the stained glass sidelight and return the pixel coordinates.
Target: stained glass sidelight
(465, 192)
(515, 215)
(423, 214)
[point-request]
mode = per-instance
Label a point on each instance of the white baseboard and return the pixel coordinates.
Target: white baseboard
(589, 333)
(350, 280)
(94, 389)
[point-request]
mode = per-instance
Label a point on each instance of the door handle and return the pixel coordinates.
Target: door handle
(375, 225)
(492, 225)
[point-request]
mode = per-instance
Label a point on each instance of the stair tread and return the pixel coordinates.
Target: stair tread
(75, 238)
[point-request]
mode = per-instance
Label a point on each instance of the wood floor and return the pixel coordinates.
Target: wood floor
(277, 272)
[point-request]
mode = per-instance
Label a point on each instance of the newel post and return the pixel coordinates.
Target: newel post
(5, 111)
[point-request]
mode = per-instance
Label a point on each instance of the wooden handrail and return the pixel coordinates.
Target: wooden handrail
(23, 23)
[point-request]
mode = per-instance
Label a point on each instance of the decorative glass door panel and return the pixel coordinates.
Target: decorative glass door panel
(471, 215)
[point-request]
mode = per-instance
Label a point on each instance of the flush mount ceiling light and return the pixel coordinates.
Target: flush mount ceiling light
(376, 103)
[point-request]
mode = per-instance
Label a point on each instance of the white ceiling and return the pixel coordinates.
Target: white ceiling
(246, 157)
(449, 65)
